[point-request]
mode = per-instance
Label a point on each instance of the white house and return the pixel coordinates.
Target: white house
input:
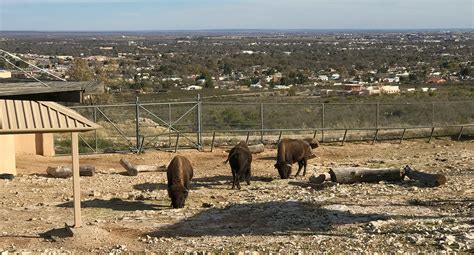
(4, 74)
(172, 79)
(392, 80)
(193, 87)
(389, 89)
(323, 78)
(371, 91)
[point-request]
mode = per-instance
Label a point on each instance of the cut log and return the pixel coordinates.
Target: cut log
(258, 148)
(431, 180)
(66, 171)
(133, 170)
(320, 178)
(357, 174)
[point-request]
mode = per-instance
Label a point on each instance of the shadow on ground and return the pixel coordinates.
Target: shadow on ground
(150, 186)
(223, 180)
(116, 204)
(56, 233)
(269, 218)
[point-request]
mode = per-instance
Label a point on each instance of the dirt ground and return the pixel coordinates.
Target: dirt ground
(123, 213)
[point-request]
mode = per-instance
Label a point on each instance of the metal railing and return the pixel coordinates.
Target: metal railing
(172, 125)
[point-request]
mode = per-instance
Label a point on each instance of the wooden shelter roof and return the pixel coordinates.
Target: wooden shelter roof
(23, 116)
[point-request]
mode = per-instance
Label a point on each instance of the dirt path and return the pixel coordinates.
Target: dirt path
(124, 213)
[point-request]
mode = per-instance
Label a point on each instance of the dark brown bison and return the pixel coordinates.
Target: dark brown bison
(179, 173)
(289, 152)
(240, 160)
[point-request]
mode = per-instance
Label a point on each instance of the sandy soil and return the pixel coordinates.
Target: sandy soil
(123, 213)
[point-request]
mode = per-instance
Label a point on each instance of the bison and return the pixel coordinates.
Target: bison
(291, 151)
(240, 160)
(179, 173)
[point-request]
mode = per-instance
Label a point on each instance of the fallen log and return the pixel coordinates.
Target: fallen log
(431, 180)
(255, 149)
(358, 174)
(133, 170)
(66, 171)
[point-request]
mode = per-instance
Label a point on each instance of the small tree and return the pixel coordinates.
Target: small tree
(80, 71)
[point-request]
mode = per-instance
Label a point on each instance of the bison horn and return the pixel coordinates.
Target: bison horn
(289, 165)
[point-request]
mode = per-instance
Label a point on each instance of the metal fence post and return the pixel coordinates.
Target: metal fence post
(199, 124)
(137, 123)
(169, 124)
(322, 123)
(261, 122)
(432, 114)
(95, 131)
(377, 110)
(377, 115)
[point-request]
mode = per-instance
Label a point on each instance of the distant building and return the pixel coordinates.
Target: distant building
(392, 79)
(372, 91)
(4, 74)
(436, 80)
(193, 87)
(323, 78)
(389, 89)
(353, 88)
(335, 76)
(256, 85)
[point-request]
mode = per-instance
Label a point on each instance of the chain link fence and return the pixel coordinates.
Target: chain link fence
(194, 124)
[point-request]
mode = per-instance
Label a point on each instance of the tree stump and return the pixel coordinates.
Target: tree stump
(431, 180)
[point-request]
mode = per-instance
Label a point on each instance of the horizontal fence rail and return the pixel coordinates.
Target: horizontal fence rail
(194, 124)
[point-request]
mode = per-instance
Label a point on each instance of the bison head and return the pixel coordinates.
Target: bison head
(178, 195)
(284, 169)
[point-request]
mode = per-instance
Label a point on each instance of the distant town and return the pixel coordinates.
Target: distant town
(303, 62)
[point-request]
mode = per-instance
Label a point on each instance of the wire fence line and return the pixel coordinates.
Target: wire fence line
(173, 125)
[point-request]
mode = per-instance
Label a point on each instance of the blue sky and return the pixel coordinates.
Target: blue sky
(93, 15)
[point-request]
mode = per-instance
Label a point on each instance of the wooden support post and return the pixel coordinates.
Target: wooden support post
(431, 135)
(403, 135)
(375, 136)
(279, 137)
(247, 140)
(212, 143)
(344, 138)
(315, 133)
(177, 142)
(460, 133)
(76, 179)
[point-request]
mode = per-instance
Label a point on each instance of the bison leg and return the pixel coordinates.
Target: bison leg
(248, 176)
(305, 162)
(238, 180)
(233, 179)
(300, 165)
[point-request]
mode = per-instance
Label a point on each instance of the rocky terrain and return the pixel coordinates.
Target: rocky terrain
(132, 213)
